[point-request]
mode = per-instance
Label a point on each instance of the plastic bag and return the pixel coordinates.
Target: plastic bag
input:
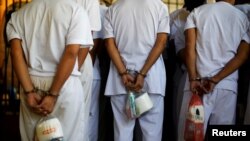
(130, 106)
(137, 104)
(49, 129)
(194, 127)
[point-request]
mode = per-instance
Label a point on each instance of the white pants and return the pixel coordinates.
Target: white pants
(68, 109)
(87, 79)
(179, 83)
(247, 114)
(94, 111)
(151, 123)
(219, 108)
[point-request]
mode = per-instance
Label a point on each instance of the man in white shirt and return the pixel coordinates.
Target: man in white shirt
(136, 34)
(86, 68)
(44, 52)
(214, 54)
(96, 85)
(178, 23)
(245, 8)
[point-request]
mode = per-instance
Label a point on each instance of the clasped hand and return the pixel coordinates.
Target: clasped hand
(203, 86)
(133, 83)
(40, 104)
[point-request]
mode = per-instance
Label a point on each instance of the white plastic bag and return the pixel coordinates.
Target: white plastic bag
(138, 104)
(49, 129)
(195, 120)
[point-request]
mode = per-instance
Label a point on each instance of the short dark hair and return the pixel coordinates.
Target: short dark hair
(191, 4)
(241, 1)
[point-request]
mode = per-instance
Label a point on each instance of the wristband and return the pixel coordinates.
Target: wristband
(123, 73)
(142, 74)
(34, 90)
(195, 79)
(48, 93)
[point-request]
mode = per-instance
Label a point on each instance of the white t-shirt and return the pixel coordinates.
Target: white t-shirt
(179, 23)
(44, 37)
(246, 9)
(92, 8)
(134, 24)
(218, 38)
(173, 17)
(100, 34)
(179, 37)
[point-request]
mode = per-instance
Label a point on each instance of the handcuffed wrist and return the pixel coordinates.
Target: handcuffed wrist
(49, 93)
(195, 79)
(123, 73)
(142, 74)
(34, 90)
(212, 81)
(42, 92)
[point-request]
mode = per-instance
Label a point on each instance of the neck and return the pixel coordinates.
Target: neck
(228, 1)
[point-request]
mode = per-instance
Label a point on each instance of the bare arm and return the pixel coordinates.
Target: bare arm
(63, 72)
(190, 60)
(20, 65)
(190, 39)
(154, 54)
(82, 54)
(230, 67)
(21, 71)
(65, 67)
(241, 56)
(114, 54)
(96, 49)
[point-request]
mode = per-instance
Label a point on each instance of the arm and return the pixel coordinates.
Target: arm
(115, 55)
(20, 66)
(64, 70)
(116, 59)
(82, 54)
(21, 71)
(234, 64)
(155, 53)
(96, 49)
(190, 37)
(190, 59)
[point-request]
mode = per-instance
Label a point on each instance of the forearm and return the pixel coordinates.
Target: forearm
(20, 65)
(190, 50)
(234, 63)
(94, 51)
(190, 64)
(155, 53)
(115, 55)
(64, 68)
(82, 54)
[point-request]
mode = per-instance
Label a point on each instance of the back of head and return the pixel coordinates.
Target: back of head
(230, 1)
(242, 2)
(191, 4)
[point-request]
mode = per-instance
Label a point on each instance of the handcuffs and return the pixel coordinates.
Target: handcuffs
(41, 92)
